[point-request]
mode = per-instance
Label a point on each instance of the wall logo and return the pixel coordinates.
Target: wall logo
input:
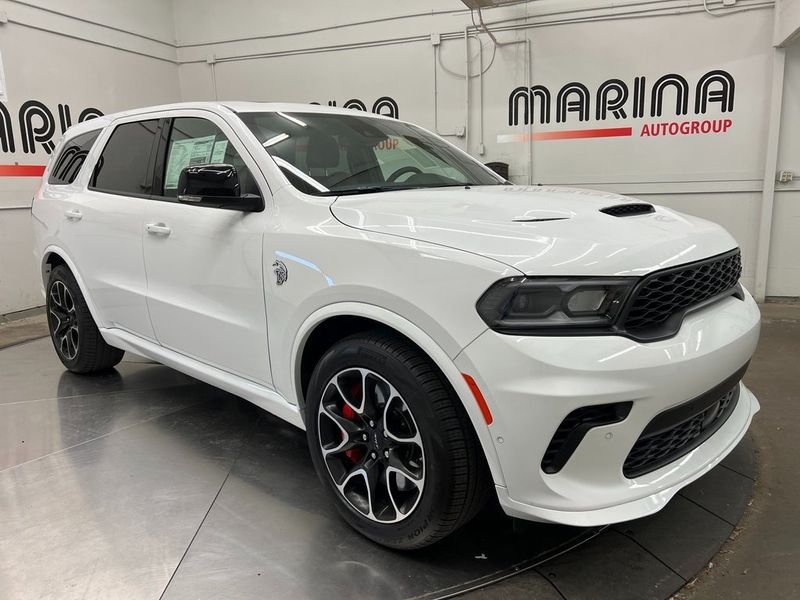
(385, 105)
(615, 99)
(37, 126)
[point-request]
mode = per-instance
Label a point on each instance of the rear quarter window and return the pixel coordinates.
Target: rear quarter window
(71, 158)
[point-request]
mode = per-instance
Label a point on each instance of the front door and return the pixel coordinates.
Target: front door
(205, 289)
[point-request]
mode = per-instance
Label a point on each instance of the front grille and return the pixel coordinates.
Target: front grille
(660, 300)
(574, 427)
(676, 432)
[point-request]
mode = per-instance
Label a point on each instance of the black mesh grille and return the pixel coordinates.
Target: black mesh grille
(659, 446)
(668, 294)
(628, 210)
(574, 427)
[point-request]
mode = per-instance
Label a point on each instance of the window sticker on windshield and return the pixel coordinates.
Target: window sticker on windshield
(188, 153)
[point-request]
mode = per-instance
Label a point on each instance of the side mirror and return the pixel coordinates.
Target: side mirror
(216, 186)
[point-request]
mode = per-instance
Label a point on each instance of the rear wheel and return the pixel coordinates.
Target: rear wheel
(75, 335)
(392, 443)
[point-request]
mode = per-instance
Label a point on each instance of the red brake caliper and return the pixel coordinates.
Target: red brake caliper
(354, 454)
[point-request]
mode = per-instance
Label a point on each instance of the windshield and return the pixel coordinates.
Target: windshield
(334, 154)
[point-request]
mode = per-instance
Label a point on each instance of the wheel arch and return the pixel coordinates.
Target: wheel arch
(54, 256)
(327, 325)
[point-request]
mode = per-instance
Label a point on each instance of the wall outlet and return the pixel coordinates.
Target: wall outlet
(785, 176)
(436, 39)
(728, 2)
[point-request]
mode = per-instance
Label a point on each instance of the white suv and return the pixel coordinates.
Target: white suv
(435, 329)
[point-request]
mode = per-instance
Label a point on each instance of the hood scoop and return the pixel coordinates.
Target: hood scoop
(628, 210)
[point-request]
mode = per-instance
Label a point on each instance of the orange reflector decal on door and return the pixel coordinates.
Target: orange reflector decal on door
(476, 391)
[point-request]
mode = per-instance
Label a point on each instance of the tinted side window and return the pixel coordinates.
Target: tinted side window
(194, 141)
(123, 166)
(68, 164)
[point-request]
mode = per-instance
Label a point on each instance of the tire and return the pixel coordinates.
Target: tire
(75, 335)
(418, 428)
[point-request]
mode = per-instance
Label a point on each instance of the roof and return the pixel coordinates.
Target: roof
(220, 106)
(290, 107)
(238, 106)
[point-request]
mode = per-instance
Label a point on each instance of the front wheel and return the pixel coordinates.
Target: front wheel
(391, 442)
(75, 335)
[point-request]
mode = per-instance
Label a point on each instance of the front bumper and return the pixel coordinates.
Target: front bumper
(532, 383)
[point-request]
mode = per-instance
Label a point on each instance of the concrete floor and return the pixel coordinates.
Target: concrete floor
(145, 483)
(761, 558)
(22, 326)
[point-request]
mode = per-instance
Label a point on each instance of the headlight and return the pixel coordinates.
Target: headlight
(554, 305)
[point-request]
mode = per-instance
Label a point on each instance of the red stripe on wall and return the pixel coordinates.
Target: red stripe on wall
(584, 133)
(21, 170)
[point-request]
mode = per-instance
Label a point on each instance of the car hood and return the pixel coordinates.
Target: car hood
(539, 230)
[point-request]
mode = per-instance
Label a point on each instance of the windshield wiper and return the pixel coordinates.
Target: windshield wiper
(371, 189)
(374, 189)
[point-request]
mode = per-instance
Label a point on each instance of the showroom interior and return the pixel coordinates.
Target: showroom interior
(146, 482)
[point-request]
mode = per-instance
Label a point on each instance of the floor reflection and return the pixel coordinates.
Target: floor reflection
(106, 481)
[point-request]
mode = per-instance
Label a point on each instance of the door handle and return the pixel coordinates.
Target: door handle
(73, 214)
(158, 229)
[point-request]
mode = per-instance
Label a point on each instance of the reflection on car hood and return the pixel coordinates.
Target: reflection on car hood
(539, 230)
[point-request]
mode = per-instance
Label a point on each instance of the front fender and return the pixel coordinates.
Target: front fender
(435, 352)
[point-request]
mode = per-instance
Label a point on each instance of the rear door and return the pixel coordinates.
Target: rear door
(102, 225)
(204, 265)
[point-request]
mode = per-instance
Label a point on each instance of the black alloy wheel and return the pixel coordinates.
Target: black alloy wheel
(76, 338)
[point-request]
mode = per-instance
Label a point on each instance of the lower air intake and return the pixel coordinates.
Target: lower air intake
(676, 432)
(575, 426)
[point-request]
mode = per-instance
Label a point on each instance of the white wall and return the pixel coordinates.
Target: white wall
(313, 51)
(784, 254)
(47, 58)
(787, 21)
